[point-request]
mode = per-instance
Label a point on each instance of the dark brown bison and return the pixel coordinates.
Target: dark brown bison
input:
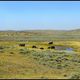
(50, 42)
(22, 45)
(41, 48)
(51, 47)
(34, 47)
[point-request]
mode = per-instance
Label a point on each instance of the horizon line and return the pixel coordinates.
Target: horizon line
(40, 29)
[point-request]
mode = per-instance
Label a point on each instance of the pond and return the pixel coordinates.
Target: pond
(63, 48)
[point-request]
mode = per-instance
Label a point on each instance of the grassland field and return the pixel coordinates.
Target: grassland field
(34, 63)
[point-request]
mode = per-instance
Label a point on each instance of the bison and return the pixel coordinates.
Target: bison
(51, 47)
(34, 47)
(22, 45)
(41, 48)
(50, 42)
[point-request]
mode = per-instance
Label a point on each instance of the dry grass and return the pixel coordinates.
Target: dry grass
(19, 62)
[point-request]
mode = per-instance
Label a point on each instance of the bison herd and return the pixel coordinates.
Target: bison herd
(50, 47)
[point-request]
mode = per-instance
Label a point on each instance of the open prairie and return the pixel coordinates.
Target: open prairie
(40, 54)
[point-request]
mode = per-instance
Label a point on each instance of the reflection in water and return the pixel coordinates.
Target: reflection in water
(69, 49)
(63, 48)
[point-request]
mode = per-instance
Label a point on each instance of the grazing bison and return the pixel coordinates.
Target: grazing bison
(51, 47)
(34, 47)
(50, 43)
(41, 48)
(22, 45)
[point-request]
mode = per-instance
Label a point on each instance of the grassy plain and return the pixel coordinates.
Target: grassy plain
(27, 62)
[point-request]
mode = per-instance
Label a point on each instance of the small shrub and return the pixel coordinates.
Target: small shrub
(44, 64)
(23, 51)
(59, 66)
(65, 75)
(1, 51)
(48, 47)
(35, 58)
(1, 47)
(51, 59)
(58, 60)
(50, 56)
(11, 53)
(44, 77)
(76, 76)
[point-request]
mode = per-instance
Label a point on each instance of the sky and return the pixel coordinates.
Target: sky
(39, 15)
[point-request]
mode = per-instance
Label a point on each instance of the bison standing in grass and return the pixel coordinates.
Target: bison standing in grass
(34, 47)
(51, 47)
(22, 45)
(41, 48)
(50, 42)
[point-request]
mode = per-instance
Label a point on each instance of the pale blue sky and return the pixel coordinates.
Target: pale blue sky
(25, 15)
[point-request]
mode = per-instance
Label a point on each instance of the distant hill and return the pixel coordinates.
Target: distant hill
(40, 35)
